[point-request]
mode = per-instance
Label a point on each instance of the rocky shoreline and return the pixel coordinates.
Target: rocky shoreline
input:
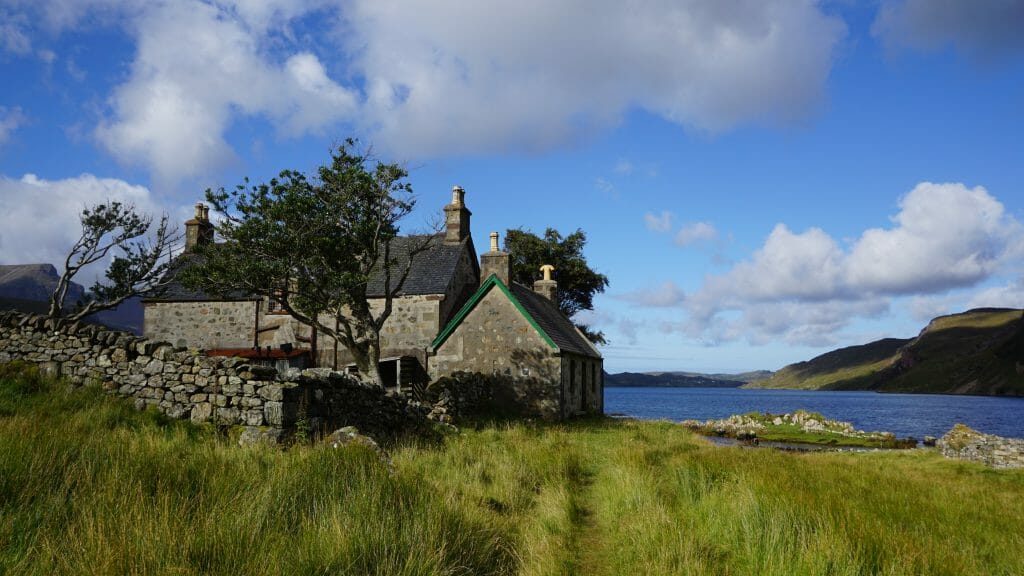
(800, 427)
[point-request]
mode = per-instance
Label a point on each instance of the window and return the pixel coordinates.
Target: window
(273, 306)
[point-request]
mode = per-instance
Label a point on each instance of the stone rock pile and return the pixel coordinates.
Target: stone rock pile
(964, 443)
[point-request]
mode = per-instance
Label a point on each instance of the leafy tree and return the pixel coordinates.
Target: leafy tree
(312, 245)
(138, 267)
(577, 282)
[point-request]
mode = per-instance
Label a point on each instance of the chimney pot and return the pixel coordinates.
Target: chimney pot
(547, 269)
(547, 287)
(199, 210)
(495, 263)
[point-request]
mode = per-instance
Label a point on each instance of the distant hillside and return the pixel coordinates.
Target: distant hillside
(670, 380)
(852, 368)
(27, 287)
(33, 282)
(752, 376)
(980, 351)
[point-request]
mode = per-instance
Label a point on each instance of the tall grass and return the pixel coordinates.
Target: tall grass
(88, 485)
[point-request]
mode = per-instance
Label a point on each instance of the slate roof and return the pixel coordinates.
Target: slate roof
(541, 312)
(176, 292)
(560, 329)
(432, 271)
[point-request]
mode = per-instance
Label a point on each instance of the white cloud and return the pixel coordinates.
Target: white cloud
(181, 97)
(13, 38)
(623, 167)
(1010, 295)
(10, 120)
(981, 29)
(451, 78)
(664, 296)
(39, 219)
(946, 236)
(604, 185)
(694, 232)
(803, 286)
(923, 308)
(659, 222)
(463, 77)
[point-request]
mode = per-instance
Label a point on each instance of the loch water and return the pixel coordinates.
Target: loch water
(916, 415)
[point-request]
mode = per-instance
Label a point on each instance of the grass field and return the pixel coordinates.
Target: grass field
(89, 486)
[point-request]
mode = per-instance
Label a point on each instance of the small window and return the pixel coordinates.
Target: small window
(274, 306)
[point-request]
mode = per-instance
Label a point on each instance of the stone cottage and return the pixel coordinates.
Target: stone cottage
(508, 329)
(430, 333)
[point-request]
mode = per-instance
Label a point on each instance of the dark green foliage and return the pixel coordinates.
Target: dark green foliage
(577, 282)
(313, 245)
(138, 267)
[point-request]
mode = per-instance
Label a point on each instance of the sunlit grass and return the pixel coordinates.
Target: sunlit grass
(88, 485)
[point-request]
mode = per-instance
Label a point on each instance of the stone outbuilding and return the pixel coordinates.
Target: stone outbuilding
(519, 333)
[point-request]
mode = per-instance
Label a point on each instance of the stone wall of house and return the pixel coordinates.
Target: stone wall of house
(964, 443)
(186, 384)
(582, 385)
(497, 339)
(202, 324)
(408, 331)
(465, 283)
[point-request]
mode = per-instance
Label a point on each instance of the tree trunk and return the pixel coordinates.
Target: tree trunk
(367, 359)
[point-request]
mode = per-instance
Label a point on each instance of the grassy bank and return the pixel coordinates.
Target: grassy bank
(89, 486)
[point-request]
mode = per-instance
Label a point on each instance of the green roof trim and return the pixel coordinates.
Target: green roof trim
(491, 282)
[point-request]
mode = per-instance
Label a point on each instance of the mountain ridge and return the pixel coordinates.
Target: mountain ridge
(27, 288)
(979, 351)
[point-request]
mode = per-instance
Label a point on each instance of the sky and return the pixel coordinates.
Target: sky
(761, 180)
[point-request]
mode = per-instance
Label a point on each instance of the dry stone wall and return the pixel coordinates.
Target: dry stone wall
(963, 443)
(186, 384)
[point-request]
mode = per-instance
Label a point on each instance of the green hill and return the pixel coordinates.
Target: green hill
(975, 352)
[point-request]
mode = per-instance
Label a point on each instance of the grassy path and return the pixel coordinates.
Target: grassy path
(90, 486)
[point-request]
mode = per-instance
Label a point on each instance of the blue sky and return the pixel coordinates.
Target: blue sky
(761, 180)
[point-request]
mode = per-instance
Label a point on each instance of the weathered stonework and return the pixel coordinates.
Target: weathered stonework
(217, 324)
(964, 443)
(186, 384)
(498, 339)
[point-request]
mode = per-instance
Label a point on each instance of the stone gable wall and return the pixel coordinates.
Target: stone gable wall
(496, 339)
(186, 384)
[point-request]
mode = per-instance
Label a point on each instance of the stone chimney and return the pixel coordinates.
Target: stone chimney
(198, 230)
(495, 262)
(547, 287)
(456, 217)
